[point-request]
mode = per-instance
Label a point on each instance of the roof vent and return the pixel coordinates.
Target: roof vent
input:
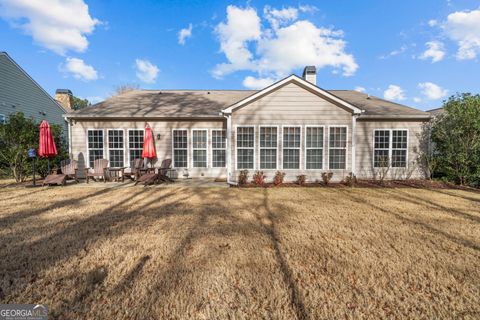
(208, 92)
(368, 96)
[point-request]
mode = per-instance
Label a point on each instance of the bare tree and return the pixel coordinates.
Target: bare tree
(124, 88)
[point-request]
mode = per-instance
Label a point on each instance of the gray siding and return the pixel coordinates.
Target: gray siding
(19, 93)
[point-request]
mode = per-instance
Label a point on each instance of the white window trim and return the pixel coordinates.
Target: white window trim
(206, 149)
(390, 147)
(173, 149)
(328, 147)
(236, 147)
(305, 146)
(300, 158)
(108, 145)
(277, 165)
(212, 148)
(128, 142)
(87, 165)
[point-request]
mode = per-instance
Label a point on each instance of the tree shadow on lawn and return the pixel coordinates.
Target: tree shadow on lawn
(458, 240)
(461, 196)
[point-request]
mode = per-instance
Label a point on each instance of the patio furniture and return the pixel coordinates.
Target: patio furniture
(60, 179)
(99, 170)
(135, 169)
(116, 174)
(161, 176)
(69, 168)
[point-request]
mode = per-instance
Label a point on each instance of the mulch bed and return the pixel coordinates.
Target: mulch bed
(420, 184)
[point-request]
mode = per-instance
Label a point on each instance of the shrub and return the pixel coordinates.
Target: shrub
(301, 179)
(243, 177)
(259, 178)
(351, 179)
(326, 177)
(278, 179)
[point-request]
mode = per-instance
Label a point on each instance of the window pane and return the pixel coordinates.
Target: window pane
(291, 158)
(399, 158)
(218, 139)
(245, 137)
(382, 139)
(180, 139)
(338, 137)
(135, 154)
(268, 158)
(135, 139)
(245, 158)
(199, 139)
(399, 139)
(314, 158)
(291, 137)
(199, 158)
(180, 158)
(268, 137)
(116, 158)
(94, 155)
(218, 158)
(381, 159)
(314, 137)
(95, 139)
(337, 159)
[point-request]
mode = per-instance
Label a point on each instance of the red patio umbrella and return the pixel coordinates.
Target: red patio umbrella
(148, 145)
(46, 147)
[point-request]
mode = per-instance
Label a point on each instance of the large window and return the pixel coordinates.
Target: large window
(314, 147)
(291, 147)
(268, 147)
(115, 148)
(390, 148)
(337, 148)
(199, 146)
(95, 146)
(180, 148)
(245, 147)
(135, 143)
(218, 148)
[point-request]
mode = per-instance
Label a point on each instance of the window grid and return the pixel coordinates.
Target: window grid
(268, 147)
(199, 146)
(337, 151)
(314, 147)
(135, 143)
(180, 148)
(115, 148)
(219, 148)
(291, 147)
(390, 148)
(245, 147)
(95, 146)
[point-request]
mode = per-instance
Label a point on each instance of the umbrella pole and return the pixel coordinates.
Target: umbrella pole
(34, 182)
(48, 172)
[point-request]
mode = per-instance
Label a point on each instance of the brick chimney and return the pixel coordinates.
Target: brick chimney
(310, 74)
(65, 98)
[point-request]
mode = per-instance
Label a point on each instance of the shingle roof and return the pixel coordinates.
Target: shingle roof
(209, 103)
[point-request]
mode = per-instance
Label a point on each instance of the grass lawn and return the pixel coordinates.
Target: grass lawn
(208, 253)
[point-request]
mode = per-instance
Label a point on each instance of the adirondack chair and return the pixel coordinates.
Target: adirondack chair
(161, 176)
(99, 170)
(136, 167)
(69, 168)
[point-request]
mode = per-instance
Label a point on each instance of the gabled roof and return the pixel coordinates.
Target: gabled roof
(294, 79)
(5, 54)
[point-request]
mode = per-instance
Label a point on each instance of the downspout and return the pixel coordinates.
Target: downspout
(229, 149)
(69, 132)
(354, 144)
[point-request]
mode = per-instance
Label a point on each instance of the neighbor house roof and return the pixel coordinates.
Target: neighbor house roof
(436, 112)
(211, 103)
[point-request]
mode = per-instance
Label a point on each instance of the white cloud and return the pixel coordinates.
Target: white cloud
(417, 100)
(396, 52)
(184, 34)
(275, 52)
(464, 28)
(257, 83)
(146, 71)
(435, 51)
(54, 24)
(307, 8)
(280, 17)
(394, 92)
(432, 23)
(360, 89)
(79, 69)
(431, 91)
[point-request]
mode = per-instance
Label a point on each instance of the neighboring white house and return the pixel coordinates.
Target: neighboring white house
(293, 126)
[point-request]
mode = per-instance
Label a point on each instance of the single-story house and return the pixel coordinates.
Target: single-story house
(19, 92)
(292, 125)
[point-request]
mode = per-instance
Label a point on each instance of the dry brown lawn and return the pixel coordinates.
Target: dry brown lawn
(212, 253)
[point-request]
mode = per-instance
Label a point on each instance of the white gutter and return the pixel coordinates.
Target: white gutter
(354, 144)
(69, 124)
(229, 149)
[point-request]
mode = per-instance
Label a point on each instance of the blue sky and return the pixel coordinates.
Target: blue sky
(414, 52)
